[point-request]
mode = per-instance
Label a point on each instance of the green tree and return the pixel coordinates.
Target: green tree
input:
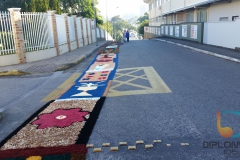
(55, 5)
(45, 5)
(5, 4)
(141, 27)
(107, 26)
(118, 26)
(143, 18)
(83, 8)
(33, 6)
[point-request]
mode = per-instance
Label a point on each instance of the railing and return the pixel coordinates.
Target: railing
(36, 31)
(6, 34)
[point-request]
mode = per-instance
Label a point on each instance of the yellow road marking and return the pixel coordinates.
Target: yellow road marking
(156, 82)
(131, 84)
(121, 75)
(61, 89)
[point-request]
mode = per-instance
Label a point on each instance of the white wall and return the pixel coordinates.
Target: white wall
(9, 60)
(71, 29)
(93, 31)
(73, 45)
(50, 34)
(85, 31)
(89, 30)
(79, 32)
(108, 36)
(177, 4)
(102, 33)
(63, 49)
(166, 7)
(224, 34)
(61, 29)
(192, 2)
(224, 9)
(98, 33)
(41, 54)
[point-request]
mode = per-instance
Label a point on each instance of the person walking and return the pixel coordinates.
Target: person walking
(127, 36)
(124, 36)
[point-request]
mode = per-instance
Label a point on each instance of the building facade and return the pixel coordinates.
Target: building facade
(179, 11)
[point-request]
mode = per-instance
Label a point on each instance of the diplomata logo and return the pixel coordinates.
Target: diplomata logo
(226, 132)
(229, 147)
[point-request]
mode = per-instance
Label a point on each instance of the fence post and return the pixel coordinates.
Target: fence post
(67, 31)
(87, 30)
(82, 31)
(18, 34)
(75, 28)
(55, 33)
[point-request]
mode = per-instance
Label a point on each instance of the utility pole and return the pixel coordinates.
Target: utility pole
(95, 22)
(107, 19)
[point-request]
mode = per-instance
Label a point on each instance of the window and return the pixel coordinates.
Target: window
(202, 15)
(223, 19)
(190, 16)
(234, 18)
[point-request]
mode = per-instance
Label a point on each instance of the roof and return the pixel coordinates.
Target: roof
(191, 6)
(187, 7)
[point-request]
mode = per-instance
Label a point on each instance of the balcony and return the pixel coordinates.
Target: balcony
(147, 1)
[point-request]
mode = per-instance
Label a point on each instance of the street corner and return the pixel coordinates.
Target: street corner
(13, 73)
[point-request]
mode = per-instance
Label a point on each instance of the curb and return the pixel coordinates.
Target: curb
(69, 65)
(203, 51)
(13, 73)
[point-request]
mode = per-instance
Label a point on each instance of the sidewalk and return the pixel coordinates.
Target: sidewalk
(61, 62)
(225, 53)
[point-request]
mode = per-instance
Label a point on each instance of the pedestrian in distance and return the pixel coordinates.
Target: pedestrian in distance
(127, 36)
(124, 36)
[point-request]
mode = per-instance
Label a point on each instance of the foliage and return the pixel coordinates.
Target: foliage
(107, 26)
(5, 4)
(82, 8)
(141, 27)
(118, 26)
(143, 18)
(54, 5)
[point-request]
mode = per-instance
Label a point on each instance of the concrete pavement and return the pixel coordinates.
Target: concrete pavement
(220, 52)
(58, 63)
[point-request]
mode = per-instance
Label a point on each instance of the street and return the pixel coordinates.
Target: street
(161, 92)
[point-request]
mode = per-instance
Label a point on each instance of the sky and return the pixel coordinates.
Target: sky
(130, 7)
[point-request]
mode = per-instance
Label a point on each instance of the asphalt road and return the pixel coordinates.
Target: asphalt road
(200, 86)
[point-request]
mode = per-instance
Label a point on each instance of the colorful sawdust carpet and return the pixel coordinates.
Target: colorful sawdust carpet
(61, 129)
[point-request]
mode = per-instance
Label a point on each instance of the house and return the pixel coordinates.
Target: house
(178, 11)
(214, 22)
